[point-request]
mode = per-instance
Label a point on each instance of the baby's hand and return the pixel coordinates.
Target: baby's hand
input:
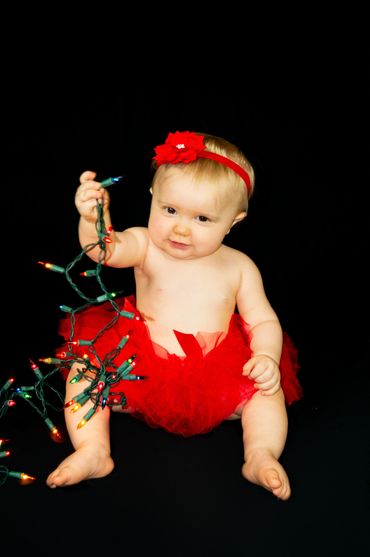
(265, 373)
(87, 194)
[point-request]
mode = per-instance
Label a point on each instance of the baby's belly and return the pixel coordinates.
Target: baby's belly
(165, 337)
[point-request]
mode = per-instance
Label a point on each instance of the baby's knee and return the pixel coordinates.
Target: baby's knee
(277, 397)
(237, 414)
(79, 368)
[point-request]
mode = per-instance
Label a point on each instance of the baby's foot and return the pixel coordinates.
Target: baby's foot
(86, 463)
(262, 468)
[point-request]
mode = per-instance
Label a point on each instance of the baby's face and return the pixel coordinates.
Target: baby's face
(187, 219)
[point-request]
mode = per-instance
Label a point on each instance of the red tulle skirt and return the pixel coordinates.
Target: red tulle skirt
(184, 395)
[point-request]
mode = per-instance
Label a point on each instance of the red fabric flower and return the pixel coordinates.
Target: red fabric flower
(179, 147)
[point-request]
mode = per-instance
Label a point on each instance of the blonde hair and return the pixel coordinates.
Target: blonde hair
(216, 172)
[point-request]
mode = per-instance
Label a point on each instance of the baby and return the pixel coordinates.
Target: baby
(207, 339)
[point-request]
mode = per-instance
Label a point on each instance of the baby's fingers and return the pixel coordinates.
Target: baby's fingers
(252, 368)
(92, 193)
(87, 176)
(247, 368)
(268, 391)
(263, 375)
(257, 369)
(90, 190)
(89, 207)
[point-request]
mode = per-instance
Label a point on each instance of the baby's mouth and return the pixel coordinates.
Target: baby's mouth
(179, 245)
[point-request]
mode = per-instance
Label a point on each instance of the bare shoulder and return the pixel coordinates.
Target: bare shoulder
(239, 260)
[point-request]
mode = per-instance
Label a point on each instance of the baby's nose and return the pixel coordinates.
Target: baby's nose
(182, 229)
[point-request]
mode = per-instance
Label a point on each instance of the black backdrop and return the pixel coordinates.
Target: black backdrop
(304, 131)
(306, 227)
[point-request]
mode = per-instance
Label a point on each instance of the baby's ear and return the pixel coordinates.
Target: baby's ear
(151, 190)
(241, 216)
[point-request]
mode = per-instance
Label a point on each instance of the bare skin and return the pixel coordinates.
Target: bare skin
(263, 446)
(91, 458)
(84, 464)
(182, 251)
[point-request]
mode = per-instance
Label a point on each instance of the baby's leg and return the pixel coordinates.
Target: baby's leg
(91, 458)
(265, 426)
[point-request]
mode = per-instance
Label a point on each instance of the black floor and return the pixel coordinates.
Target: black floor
(179, 497)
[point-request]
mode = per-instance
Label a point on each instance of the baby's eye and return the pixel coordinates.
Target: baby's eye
(170, 210)
(202, 218)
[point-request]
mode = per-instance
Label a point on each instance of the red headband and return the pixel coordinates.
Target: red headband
(187, 147)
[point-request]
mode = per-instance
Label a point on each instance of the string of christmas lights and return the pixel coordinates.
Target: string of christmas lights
(5, 473)
(101, 377)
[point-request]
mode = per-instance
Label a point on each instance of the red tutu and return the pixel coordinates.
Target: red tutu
(184, 395)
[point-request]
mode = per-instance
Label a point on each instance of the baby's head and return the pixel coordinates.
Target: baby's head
(200, 191)
(207, 158)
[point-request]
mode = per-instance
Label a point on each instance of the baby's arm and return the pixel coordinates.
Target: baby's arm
(264, 328)
(127, 248)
